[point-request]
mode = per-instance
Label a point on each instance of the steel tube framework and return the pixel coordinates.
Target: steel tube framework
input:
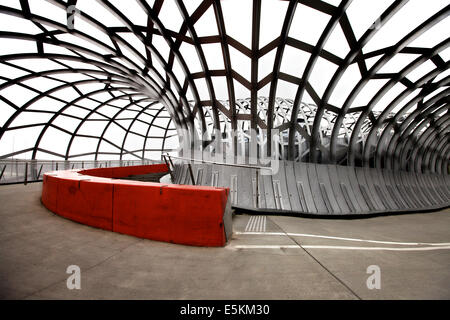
(128, 70)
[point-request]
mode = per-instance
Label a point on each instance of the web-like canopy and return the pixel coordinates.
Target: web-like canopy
(351, 82)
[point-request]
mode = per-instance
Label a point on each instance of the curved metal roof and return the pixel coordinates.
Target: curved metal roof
(102, 79)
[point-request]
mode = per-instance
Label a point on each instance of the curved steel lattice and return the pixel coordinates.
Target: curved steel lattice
(347, 82)
(282, 115)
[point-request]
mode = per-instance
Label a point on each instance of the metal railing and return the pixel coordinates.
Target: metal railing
(17, 171)
(218, 163)
(191, 173)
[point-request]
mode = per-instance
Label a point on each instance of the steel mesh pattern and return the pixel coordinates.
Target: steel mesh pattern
(282, 115)
(337, 90)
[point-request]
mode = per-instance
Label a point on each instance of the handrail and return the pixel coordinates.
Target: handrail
(220, 163)
(168, 167)
(24, 171)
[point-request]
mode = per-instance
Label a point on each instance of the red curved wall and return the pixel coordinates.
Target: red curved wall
(191, 215)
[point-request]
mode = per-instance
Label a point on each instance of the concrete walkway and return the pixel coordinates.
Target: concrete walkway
(268, 258)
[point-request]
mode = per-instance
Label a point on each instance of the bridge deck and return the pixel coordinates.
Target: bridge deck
(270, 257)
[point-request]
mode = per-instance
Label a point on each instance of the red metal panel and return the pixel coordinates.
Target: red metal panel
(119, 172)
(191, 215)
(98, 172)
(86, 202)
(178, 214)
(50, 192)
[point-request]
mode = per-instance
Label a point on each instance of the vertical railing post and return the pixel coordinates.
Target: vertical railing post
(26, 173)
(40, 171)
(191, 173)
(170, 159)
(3, 170)
(33, 170)
(168, 166)
(257, 188)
